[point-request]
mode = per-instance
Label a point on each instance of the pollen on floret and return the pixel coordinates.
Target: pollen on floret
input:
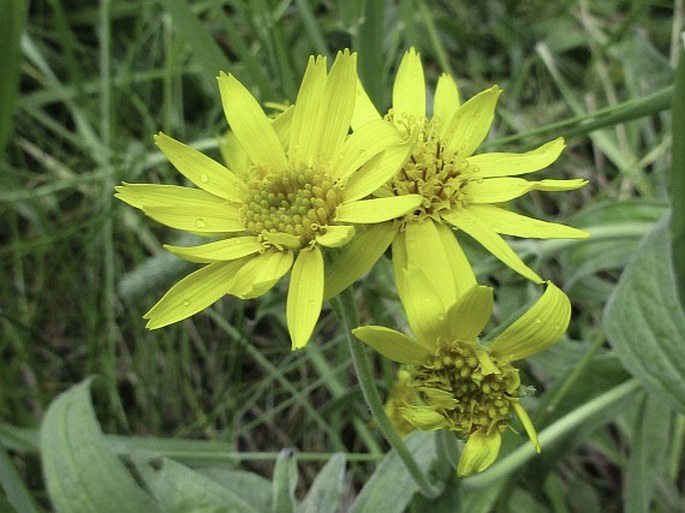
(297, 202)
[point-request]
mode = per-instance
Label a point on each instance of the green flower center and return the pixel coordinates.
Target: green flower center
(453, 383)
(290, 207)
(432, 171)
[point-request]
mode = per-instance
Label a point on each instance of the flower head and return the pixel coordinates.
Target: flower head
(459, 189)
(460, 383)
(299, 191)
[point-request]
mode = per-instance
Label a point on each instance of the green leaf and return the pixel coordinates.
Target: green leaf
(284, 483)
(199, 37)
(391, 487)
(249, 486)
(324, 495)
(12, 24)
(182, 490)
(82, 475)
(678, 175)
(646, 466)
(645, 323)
(17, 493)
(5, 506)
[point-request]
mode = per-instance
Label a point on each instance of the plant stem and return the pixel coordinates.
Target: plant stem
(347, 312)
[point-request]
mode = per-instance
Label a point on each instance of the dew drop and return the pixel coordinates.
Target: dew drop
(185, 302)
(203, 178)
(537, 320)
(200, 223)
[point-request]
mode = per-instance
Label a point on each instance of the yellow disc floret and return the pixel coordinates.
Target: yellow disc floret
(454, 383)
(296, 203)
(433, 171)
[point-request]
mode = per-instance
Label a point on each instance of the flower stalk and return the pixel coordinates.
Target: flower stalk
(347, 312)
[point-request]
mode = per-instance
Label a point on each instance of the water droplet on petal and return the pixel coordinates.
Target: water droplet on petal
(185, 302)
(537, 320)
(200, 223)
(204, 178)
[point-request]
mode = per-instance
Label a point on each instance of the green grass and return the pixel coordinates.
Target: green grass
(94, 82)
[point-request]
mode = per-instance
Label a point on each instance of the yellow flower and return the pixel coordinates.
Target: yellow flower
(464, 385)
(299, 193)
(459, 189)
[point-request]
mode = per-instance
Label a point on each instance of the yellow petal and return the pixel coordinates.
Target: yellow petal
(471, 123)
(142, 195)
(250, 125)
(192, 294)
(336, 111)
(201, 170)
(392, 344)
(336, 236)
(282, 125)
(323, 126)
(480, 452)
(399, 261)
(461, 268)
(511, 164)
(282, 241)
(377, 210)
(440, 399)
(198, 217)
(446, 102)
(234, 155)
(219, 251)
(536, 330)
(500, 190)
(305, 296)
(409, 91)
(348, 264)
(424, 250)
(308, 105)
(260, 273)
(467, 318)
(377, 172)
(490, 240)
(423, 306)
(511, 223)
(364, 111)
(364, 144)
(424, 418)
(527, 425)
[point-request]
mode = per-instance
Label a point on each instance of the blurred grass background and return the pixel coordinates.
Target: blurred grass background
(84, 87)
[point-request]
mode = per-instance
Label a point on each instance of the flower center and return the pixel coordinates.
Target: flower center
(432, 171)
(453, 382)
(290, 208)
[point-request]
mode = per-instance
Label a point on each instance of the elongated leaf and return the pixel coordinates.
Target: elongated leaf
(284, 483)
(678, 175)
(646, 465)
(199, 38)
(252, 488)
(324, 495)
(12, 24)
(17, 493)
(645, 322)
(82, 475)
(182, 490)
(391, 487)
(5, 506)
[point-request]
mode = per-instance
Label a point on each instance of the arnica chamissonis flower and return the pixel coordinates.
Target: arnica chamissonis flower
(303, 191)
(459, 189)
(460, 383)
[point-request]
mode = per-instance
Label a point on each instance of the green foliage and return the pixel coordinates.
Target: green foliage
(645, 322)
